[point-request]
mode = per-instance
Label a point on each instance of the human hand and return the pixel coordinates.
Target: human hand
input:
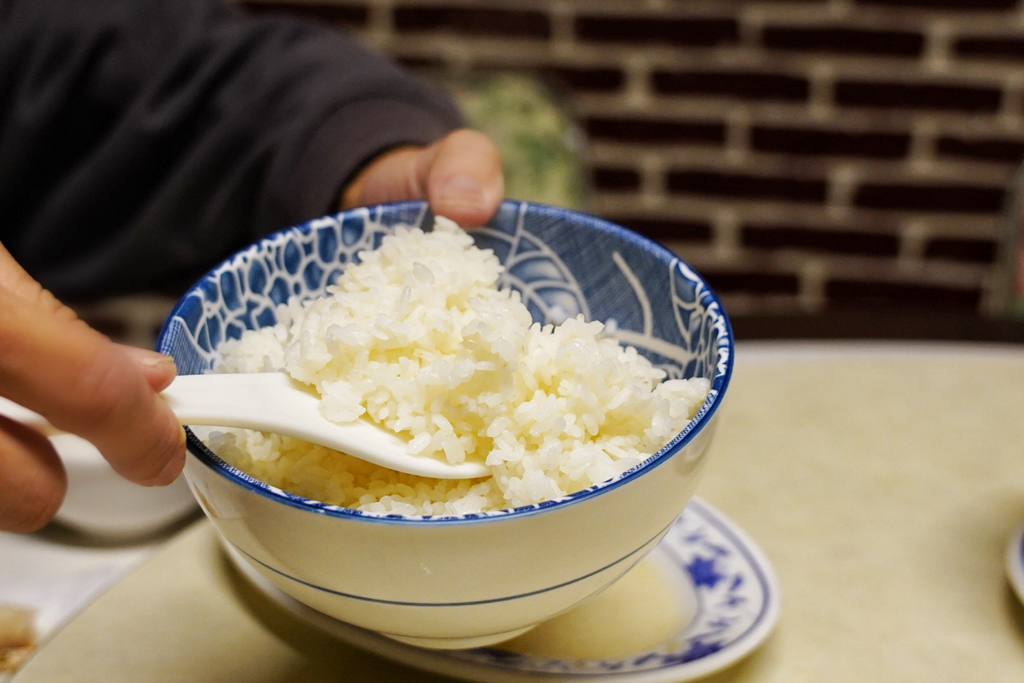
(82, 383)
(460, 176)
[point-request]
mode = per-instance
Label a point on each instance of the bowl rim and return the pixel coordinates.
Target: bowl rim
(725, 360)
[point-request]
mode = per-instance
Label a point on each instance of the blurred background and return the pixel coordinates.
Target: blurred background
(835, 168)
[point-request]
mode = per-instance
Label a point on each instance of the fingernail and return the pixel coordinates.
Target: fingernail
(149, 358)
(462, 189)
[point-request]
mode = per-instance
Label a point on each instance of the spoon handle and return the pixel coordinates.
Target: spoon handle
(274, 402)
(249, 400)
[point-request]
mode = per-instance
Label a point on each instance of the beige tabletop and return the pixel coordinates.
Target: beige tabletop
(883, 482)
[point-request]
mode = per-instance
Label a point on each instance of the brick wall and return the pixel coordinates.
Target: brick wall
(808, 156)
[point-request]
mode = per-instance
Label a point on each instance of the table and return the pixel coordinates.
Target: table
(882, 480)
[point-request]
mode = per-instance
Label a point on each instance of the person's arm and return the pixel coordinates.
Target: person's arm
(142, 141)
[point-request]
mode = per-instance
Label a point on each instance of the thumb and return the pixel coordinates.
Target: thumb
(463, 177)
(158, 370)
(83, 383)
(460, 176)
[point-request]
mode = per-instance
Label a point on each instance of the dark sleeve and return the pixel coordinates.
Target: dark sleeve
(142, 141)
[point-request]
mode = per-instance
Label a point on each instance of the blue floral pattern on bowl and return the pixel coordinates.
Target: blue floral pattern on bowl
(558, 274)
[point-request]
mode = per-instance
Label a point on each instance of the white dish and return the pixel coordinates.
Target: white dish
(719, 575)
(99, 502)
(1015, 562)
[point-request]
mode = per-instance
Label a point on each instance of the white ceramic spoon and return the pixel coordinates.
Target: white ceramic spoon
(274, 402)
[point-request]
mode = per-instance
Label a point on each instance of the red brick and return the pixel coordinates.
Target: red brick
(1010, 48)
(844, 41)
(823, 240)
(597, 79)
(615, 179)
(751, 85)
(936, 197)
(844, 293)
(960, 5)
(653, 130)
(717, 184)
(737, 282)
(664, 229)
(830, 143)
(638, 30)
(918, 96)
(974, 251)
(476, 21)
(688, 4)
(989, 149)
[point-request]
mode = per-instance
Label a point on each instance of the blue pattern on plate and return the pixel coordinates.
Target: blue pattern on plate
(563, 264)
(736, 599)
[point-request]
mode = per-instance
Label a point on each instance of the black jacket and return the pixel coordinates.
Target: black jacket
(142, 141)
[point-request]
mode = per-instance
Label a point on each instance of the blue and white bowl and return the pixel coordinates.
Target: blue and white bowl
(452, 582)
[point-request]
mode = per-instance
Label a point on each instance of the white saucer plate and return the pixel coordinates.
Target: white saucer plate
(732, 583)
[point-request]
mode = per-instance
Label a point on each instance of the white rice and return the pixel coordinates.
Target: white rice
(418, 337)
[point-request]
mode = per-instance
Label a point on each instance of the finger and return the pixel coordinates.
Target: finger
(460, 176)
(32, 478)
(158, 369)
(16, 282)
(83, 383)
(391, 177)
(463, 177)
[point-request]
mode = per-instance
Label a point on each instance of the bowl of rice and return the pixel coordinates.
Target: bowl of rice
(581, 363)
